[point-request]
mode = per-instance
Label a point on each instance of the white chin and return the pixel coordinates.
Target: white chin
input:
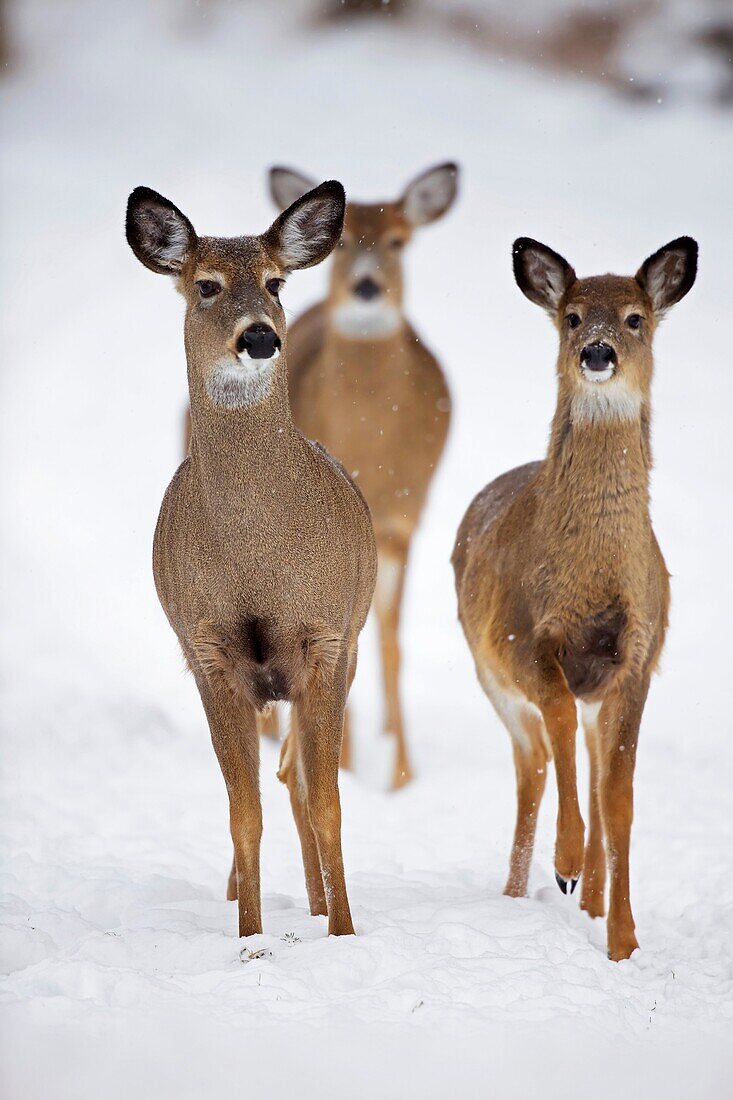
(366, 320)
(598, 375)
(594, 404)
(237, 383)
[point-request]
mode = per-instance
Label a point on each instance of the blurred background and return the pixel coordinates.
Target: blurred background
(603, 128)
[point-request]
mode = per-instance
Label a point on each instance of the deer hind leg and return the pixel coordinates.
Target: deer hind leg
(530, 761)
(320, 726)
(619, 722)
(392, 561)
(524, 724)
(290, 773)
(268, 723)
(345, 760)
(594, 867)
(232, 881)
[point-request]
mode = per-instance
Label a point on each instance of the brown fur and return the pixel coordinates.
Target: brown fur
(563, 592)
(381, 403)
(265, 563)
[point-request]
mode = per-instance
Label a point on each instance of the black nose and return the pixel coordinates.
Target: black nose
(598, 356)
(259, 341)
(367, 289)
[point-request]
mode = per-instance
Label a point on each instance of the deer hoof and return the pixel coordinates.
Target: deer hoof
(563, 883)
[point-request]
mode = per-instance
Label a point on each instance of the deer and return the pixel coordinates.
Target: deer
(264, 556)
(363, 383)
(563, 593)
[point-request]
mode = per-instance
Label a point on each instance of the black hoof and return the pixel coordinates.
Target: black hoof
(573, 884)
(561, 882)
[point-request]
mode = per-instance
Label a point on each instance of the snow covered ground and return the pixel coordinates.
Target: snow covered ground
(123, 969)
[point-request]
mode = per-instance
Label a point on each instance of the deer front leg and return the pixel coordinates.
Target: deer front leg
(320, 725)
(559, 712)
(236, 743)
(619, 722)
(388, 594)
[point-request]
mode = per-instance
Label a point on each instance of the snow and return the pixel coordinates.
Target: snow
(122, 966)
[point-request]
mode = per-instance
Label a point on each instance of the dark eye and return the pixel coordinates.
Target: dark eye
(395, 243)
(572, 320)
(208, 288)
(272, 286)
(634, 320)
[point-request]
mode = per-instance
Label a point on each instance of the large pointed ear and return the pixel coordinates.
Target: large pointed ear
(669, 273)
(431, 194)
(541, 274)
(287, 186)
(309, 229)
(158, 233)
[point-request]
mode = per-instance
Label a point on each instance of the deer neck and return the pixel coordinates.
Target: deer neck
(243, 454)
(596, 475)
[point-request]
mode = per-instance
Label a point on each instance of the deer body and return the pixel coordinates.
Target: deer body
(370, 402)
(264, 555)
(363, 383)
(563, 593)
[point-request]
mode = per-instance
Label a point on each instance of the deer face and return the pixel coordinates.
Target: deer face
(606, 323)
(367, 273)
(235, 325)
(366, 277)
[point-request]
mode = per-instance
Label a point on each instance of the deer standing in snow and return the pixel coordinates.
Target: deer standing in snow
(363, 384)
(562, 589)
(264, 554)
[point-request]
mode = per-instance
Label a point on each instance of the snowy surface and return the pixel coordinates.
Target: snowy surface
(123, 970)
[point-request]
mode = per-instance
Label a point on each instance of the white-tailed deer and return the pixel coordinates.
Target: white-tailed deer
(363, 384)
(264, 555)
(562, 589)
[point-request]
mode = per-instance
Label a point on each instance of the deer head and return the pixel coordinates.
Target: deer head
(234, 325)
(367, 274)
(606, 323)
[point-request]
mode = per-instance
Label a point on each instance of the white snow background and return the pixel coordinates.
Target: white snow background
(123, 971)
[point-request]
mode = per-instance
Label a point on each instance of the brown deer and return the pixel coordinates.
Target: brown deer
(364, 385)
(264, 555)
(562, 589)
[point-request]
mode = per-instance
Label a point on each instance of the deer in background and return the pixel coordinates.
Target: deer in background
(264, 555)
(365, 386)
(562, 589)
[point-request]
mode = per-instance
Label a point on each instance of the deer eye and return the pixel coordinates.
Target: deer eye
(634, 320)
(208, 288)
(273, 286)
(395, 243)
(572, 320)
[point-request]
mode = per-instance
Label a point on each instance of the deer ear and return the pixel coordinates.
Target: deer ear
(309, 229)
(431, 194)
(158, 233)
(542, 275)
(669, 273)
(287, 186)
